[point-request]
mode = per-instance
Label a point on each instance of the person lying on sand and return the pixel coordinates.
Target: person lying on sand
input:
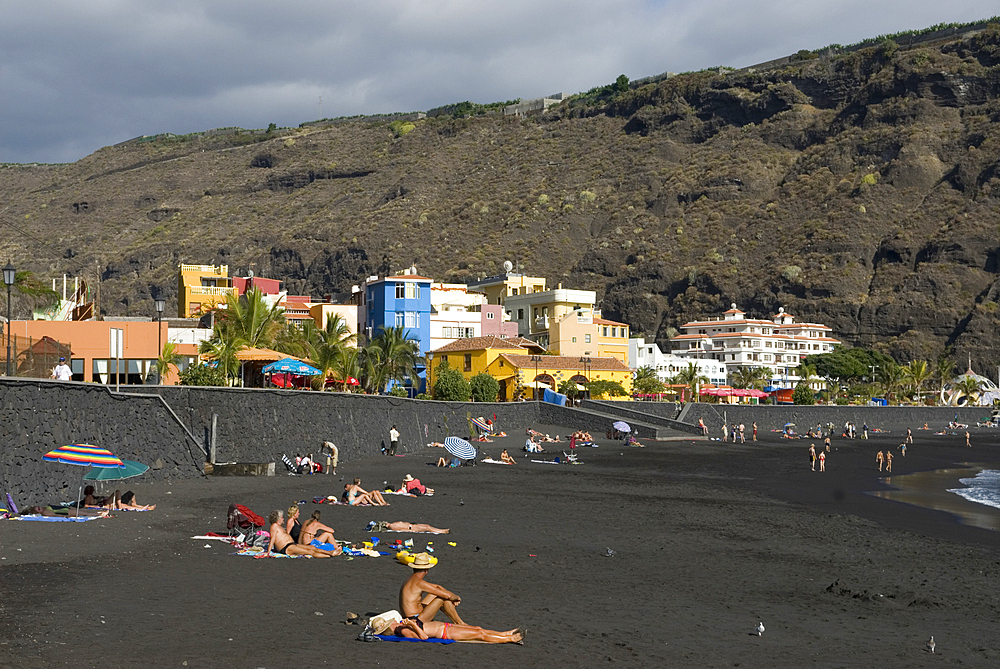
(89, 501)
(53, 511)
(417, 629)
(313, 530)
(415, 487)
(355, 495)
(420, 599)
(404, 526)
(506, 459)
(281, 541)
(129, 502)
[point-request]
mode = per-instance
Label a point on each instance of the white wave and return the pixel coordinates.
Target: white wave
(983, 489)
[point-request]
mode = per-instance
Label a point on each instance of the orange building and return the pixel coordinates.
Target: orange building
(96, 347)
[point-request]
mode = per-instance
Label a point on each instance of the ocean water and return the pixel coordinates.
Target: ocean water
(983, 488)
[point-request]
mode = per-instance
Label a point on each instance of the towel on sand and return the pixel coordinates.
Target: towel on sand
(58, 519)
(386, 637)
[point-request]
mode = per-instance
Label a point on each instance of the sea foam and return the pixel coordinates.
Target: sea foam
(983, 489)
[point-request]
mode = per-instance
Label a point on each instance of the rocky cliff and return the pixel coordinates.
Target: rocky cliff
(861, 190)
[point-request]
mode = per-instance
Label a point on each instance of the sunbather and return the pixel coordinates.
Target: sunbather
(417, 629)
(421, 600)
(415, 487)
(313, 530)
(128, 501)
(281, 541)
(53, 511)
(505, 458)
(355, 495)
(90, 501)
(404, 526)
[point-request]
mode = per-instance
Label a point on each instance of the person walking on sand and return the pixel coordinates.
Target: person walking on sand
(812, 456)
(704, 428)
(967, 439)
(826, 442)
(743, 438)
(909, 436)
(393, 441)
(725, 432)
(880, 458)
(902, 447)
(822, 461)
(755, 430)
(419, 599)
(888, 460)
(864, 431)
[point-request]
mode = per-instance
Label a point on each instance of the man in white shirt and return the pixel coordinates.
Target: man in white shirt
(393, 440)
(62, 372)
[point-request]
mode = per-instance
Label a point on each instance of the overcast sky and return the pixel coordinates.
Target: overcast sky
(79, 75)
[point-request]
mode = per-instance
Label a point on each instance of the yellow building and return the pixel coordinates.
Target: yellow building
(527, 375)
(474, 355)
(498, 288)
(200, 287)
(321, 312)
(580, 333)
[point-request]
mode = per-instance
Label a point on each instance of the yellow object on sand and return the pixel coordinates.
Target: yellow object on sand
(406, 557)
(452, 543)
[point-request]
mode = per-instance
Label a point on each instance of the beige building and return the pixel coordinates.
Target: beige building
(498, 288)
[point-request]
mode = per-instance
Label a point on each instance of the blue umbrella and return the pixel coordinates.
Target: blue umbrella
(291, 366)
(460, 448)
(622, 426)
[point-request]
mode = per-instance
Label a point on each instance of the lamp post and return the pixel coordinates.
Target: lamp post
(536, 359)
(8, 278)
(159, 303)
(585, 361)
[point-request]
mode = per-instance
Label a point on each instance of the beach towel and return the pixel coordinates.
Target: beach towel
(491, 461)
(58, 519)
(384, 637)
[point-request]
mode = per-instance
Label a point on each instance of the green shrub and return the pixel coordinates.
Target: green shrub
(202, 375)
(399, 391)
(400, 128)
(484, 388)
(803, 394)
(450, 385)
(423, 396)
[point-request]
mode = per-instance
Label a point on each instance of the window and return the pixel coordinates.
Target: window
(468, 362)
(520, 314)
(545, 312)
(586, 340)
(574, 340)
(606, 331)
(400, 291)
(489, 316)
(767, 344)
(536, 312)
(765, 331)
(399, 319)
(412, 319)
(407, 290)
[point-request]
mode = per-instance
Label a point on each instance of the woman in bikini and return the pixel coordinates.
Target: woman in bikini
(417, 629)
(355, 495)
(129, 502)
(506, 459)
(293, 526)
(281, 542)
(313, 530)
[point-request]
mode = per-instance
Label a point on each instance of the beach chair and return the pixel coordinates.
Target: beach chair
(292, 469)
(483, 429)
(241, 520)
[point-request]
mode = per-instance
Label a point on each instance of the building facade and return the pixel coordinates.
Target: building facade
(667, 365)
(400, 301)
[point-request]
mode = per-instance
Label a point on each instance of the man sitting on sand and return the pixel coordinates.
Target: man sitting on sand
(420, 600)
(404, 526)
(281, 542)
(416, 629)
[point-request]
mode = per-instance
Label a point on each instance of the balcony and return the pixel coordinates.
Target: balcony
(212, 290)
(541, 323)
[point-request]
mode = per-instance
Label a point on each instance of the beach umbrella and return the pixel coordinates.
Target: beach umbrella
(460, 448)
(86, 456)
(788, 425)
(131, 468)
(621, 426)
(291, 366)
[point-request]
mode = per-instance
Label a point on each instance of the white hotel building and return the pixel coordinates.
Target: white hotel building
(667, 365)
(778, 345)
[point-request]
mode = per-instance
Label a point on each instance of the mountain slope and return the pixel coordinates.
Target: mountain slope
(861, 190)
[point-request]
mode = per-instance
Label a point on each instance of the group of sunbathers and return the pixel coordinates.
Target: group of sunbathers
(535, 434)
(115, 502)
(292, 537)
(355, 495)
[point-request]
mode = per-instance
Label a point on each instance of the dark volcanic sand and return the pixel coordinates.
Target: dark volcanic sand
(709, 539)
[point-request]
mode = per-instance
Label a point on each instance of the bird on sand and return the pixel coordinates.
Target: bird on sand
(931, 644)
(760, 629)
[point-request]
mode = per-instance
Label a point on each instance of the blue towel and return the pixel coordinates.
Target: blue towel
(58, 519)
(385, 637)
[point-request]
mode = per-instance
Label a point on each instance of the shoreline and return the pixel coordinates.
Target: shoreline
(933, 490)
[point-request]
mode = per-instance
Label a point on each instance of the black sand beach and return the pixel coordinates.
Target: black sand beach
(709, 538)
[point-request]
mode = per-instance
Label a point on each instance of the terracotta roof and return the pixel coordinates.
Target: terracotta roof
(601, 321)
(525, 342)
(567, 362)
(480, 343)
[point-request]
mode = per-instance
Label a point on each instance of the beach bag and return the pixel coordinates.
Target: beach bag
(258, 539)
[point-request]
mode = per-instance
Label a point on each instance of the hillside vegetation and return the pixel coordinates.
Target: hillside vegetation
(861, 190)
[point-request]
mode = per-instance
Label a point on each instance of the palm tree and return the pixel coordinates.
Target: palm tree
(968, 386)
(751, 377)
(891, 379)
(691, 377)
(916, 375)
(944, 371)
(252, 319)
(168, 356)
(397, 356)
(345, 364)
(647, 381)
(223, 347)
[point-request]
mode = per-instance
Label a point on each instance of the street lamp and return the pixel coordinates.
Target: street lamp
(536, 359)
(586, 369)
(8, 278)
(159, 303)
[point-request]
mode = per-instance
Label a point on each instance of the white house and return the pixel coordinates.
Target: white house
(641, 354)
(779, 345)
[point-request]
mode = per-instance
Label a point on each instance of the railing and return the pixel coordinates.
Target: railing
(213, 269)
(212, 290)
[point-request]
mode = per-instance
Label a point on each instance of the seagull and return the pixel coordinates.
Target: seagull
(609, 553)
(931, 644)
(760, 629)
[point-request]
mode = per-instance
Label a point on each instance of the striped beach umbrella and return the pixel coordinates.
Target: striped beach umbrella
(85, 455)
(460, 448)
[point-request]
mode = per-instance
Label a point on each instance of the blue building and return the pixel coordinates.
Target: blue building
(403, 300)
